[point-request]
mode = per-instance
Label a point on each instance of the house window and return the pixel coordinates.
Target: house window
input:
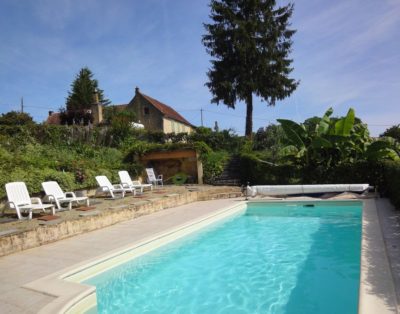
(146, 110)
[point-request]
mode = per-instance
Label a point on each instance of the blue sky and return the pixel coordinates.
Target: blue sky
(346, 54)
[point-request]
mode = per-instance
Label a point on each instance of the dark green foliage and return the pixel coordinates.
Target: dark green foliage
(254, 171)
(82, 92)
(68, 155)
(249, 42)
(82, 96)
(391, 182)
(114, 115)
(78, 117)
(393, 132)
(74, 155)
(16, 118)
(326, 143)
(223, 140)
(213, 164)
(383, 175)
(121, 124)
(270, 141)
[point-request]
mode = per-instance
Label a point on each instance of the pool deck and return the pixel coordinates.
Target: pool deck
(19, 269)
(380, 271)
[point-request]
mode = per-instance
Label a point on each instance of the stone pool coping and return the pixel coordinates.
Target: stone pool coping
(21, 268)
(75, 297)
(109, 212)
(377, 291)
(377, 286)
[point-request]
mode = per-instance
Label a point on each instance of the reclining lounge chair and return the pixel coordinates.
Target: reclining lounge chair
(127, 182)
(105, 186)
(152, 177)
(55, 194)
(19, 199)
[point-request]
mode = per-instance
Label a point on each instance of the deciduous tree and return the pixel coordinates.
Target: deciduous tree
(16, 118)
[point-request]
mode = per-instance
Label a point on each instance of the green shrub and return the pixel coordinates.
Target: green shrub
(256, 171)
(391, 182)
(213, 164)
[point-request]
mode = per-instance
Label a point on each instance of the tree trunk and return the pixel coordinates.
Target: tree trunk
(249, 116)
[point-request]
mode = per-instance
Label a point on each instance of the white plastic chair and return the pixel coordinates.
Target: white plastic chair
(152, 177)
(55, 194)
(19, 199)
(105, 186)
(127, 182)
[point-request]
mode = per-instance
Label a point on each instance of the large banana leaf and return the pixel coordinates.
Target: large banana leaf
(325, 122)
(320, 142)
(382, 149)
(344, 126)
(289, 150)
(294, 132)
(386, 153)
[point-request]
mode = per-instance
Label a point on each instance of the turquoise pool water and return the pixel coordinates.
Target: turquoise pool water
(270, 259)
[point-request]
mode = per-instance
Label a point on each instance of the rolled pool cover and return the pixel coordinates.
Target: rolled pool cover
(305, 189)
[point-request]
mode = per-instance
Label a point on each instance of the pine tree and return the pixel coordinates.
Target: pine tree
(82, 92)
(249, 42)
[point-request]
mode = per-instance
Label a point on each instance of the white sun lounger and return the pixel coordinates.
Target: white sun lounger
(306, 189)
(55, 194)
(127, 182)
(19, 199)
(151, 177)
(105, 186)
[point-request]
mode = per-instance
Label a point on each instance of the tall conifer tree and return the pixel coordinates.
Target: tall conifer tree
(249, 42)
(82, 91)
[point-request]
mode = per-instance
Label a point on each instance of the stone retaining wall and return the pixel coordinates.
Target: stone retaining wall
(44, 234)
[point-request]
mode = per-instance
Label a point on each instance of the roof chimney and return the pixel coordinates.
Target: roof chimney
(50, 113)
(136, 90)
(95, 96)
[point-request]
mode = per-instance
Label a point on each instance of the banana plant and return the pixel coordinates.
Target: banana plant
(384, 148)
(333, 141)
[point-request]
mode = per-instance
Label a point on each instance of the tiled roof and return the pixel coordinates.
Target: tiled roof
(54, 118)
(166, 110)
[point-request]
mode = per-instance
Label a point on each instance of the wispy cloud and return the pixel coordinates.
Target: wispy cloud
(345, 54)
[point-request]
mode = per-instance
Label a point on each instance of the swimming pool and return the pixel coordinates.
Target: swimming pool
(269, 258)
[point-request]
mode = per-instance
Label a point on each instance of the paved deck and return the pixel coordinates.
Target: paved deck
(19, 269)
(390, 224)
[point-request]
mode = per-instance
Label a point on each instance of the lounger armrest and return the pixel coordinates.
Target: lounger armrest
(49, 198)
(36, 200)
(125, 185)
(11, 205)
(70, 195)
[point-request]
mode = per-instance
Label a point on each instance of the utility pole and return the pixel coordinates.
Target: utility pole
(22, 104)
(201, 114)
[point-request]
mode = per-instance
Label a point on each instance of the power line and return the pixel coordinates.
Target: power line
(38, 107)
(263, 119)
(233, 115)
(381, 124)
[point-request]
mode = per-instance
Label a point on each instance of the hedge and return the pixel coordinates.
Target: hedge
(384, 175)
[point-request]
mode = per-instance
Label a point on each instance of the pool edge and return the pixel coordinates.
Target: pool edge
(376, 293)
(69, 294)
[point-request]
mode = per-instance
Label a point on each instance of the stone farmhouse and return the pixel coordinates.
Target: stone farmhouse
(153, 114)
